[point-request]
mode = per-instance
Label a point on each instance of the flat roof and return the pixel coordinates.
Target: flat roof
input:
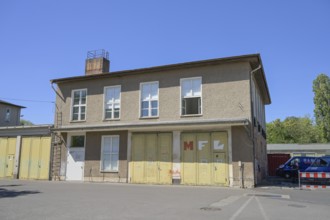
(26, 130)
(297, 147)
(8, 103)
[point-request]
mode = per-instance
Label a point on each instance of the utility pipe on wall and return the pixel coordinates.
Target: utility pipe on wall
(252, 126)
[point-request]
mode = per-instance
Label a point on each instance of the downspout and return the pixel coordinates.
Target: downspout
(52, 84)
(252, 125)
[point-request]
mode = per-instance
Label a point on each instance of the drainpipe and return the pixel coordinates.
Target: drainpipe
(56, 107)
(252, 125)
(52, 84)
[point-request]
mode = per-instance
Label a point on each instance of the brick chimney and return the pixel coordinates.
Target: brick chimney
(97, 62)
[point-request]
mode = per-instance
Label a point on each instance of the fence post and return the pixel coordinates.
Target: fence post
(299, 179)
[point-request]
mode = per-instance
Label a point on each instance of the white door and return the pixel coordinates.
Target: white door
(75, 164)
(75, 158)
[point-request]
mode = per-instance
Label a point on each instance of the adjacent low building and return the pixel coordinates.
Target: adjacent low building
(316, 150)
(25, 152)
(278, 154)
(195, 123)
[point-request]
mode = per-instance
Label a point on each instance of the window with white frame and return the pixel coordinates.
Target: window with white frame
(7, 117)
(79, 104)
(110, 153)
(191, 96)
(112, 102)
(149, 99)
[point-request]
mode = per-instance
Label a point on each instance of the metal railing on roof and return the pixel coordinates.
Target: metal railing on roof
(97, 54)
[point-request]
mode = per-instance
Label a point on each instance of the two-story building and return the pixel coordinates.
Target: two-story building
(195, 123)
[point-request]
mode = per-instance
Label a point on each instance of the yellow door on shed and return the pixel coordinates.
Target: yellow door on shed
(25, 158)
(11, 156)
(3, 155)
(35, 158)
(44, 161)
(7, 156)
(165, 158)
(188, 149)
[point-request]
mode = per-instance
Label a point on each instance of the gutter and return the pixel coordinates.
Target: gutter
(52, 85)
(252, 125)
(27, 127)
(26, 130)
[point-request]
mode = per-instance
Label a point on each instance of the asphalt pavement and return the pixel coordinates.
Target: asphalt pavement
(77, 200)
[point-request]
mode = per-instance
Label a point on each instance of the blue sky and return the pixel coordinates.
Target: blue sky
(42, 40)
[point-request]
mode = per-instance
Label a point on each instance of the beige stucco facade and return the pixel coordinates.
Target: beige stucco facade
(223, 96)
(227, 106)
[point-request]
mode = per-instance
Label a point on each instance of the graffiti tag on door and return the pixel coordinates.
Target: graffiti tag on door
(188, 146)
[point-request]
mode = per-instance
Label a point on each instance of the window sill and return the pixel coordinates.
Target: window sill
(115, 119)
(188, 116)
(81, 121)
(151, 117)
(112, 171)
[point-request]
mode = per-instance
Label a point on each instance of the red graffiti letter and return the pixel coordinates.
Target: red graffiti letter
(189, 145)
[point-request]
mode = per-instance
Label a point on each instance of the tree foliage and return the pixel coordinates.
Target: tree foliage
(292, 130)
(321, 89)
(304, 130)
(25, 122)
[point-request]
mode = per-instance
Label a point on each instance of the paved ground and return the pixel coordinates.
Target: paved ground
(67, 200)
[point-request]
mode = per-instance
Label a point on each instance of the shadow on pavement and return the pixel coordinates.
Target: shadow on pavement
(12, 185)
(5, 193)
(274, 181)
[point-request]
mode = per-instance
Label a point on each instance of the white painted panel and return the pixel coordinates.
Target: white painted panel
(75, 164)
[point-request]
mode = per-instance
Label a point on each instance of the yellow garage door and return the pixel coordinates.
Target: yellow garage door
(137, 161)
(188, 152)
(7, 157)
(219, 143)
(151, 160)
(204, 158)
(35, 158)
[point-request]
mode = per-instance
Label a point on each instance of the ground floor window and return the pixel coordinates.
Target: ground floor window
(77, 141)
(110, 153)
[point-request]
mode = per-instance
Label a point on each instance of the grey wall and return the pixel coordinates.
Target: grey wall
(14, 115)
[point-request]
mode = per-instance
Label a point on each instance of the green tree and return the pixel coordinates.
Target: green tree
(321, 89)
(299, 130)
(275, 132)
(25, 122)
(292, 130)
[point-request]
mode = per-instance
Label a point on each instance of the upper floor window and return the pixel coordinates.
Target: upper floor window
(112, 102)
(79, 105)
(149, 99)
(7, 116)
(191, 95)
